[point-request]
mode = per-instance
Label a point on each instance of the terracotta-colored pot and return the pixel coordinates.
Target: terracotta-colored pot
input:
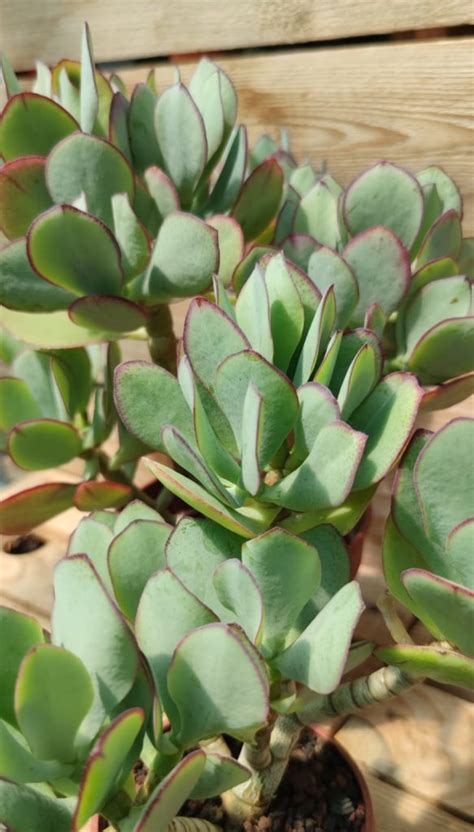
(369, 822)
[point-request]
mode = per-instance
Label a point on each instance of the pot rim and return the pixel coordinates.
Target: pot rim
(369, 822)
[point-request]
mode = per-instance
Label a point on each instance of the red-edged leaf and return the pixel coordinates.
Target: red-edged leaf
(259, 199)
(90, 496)
(26, 509)
(107, 313)
(23, 194)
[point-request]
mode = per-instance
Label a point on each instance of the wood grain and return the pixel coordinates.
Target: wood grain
(350, 107)
(50, 30)
(421, 742)
(396, 810)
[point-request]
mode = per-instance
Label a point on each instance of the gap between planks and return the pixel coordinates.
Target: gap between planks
(50, 29)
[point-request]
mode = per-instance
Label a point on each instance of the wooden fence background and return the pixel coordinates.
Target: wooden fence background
(354, 81)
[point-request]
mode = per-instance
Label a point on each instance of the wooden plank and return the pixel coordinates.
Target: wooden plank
(397, 810)
(421, 742)
(50, 30)
(350, 107)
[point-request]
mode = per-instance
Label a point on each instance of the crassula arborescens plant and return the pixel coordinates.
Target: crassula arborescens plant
(275, 412)
(428, 552)
(112, 205)
(204, 634)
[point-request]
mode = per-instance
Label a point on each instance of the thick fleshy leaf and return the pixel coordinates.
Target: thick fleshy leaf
(17, 403)
(318, 656)
(253, 314)
(93, 538)
(324, 373)
(131, 237)
(230, 241)
(171, 793)
(75, 251)
(209, 337)
(21, 287)
(104, 494)
(452, 392)
(26, 809)
(50, 330)
(381, 265)
(23, 194)
(287, 572)
(286, 311)
(53, 693)
(359, 381)
(445, 351)
(279, 400)
(134, 555)
(349, 346)
(148, 397)
(251, 442)
(8, 78)
(446, 188)
(387, 416)
(31, 125)
(327, 268)
(388, 195)
(466, 257)
(229, 683)
(162, 191)
(259, 199)
(449, 605)
(220, 774)
(317, 338)
(104, 313)
(448, 297)
(136, 510)
(118, 123)
(210, 544)
(143, 141)
(298, 248)
(206, 93)
(34, 368)
(71, 370)
(399, 555)
(335, 565)
(247, 522)
(317, 215)
(238, 592)
(433, 208)
(247, 265)
(81, 611)
(181, 137)
(442, 240)
(167, 612)
(184, 258)
(26, 509)
(318, 407)
(434, 270)
(18, 763)
(104, 764)
(88, 165)
(375, 319)
(89, 97)
(445, 508)
(326, 476)
(43, 443)
(438, 663)
(19, 634)
(231, 177)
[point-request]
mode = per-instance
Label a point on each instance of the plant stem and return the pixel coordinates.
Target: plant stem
(251, 799)
(395, 626)
(162, 343)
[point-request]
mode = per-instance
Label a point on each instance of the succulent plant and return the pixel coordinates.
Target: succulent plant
(392, 245)
(113, 208)
(275, 412)
(427, 553)
(221, 635)
(57, 405)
